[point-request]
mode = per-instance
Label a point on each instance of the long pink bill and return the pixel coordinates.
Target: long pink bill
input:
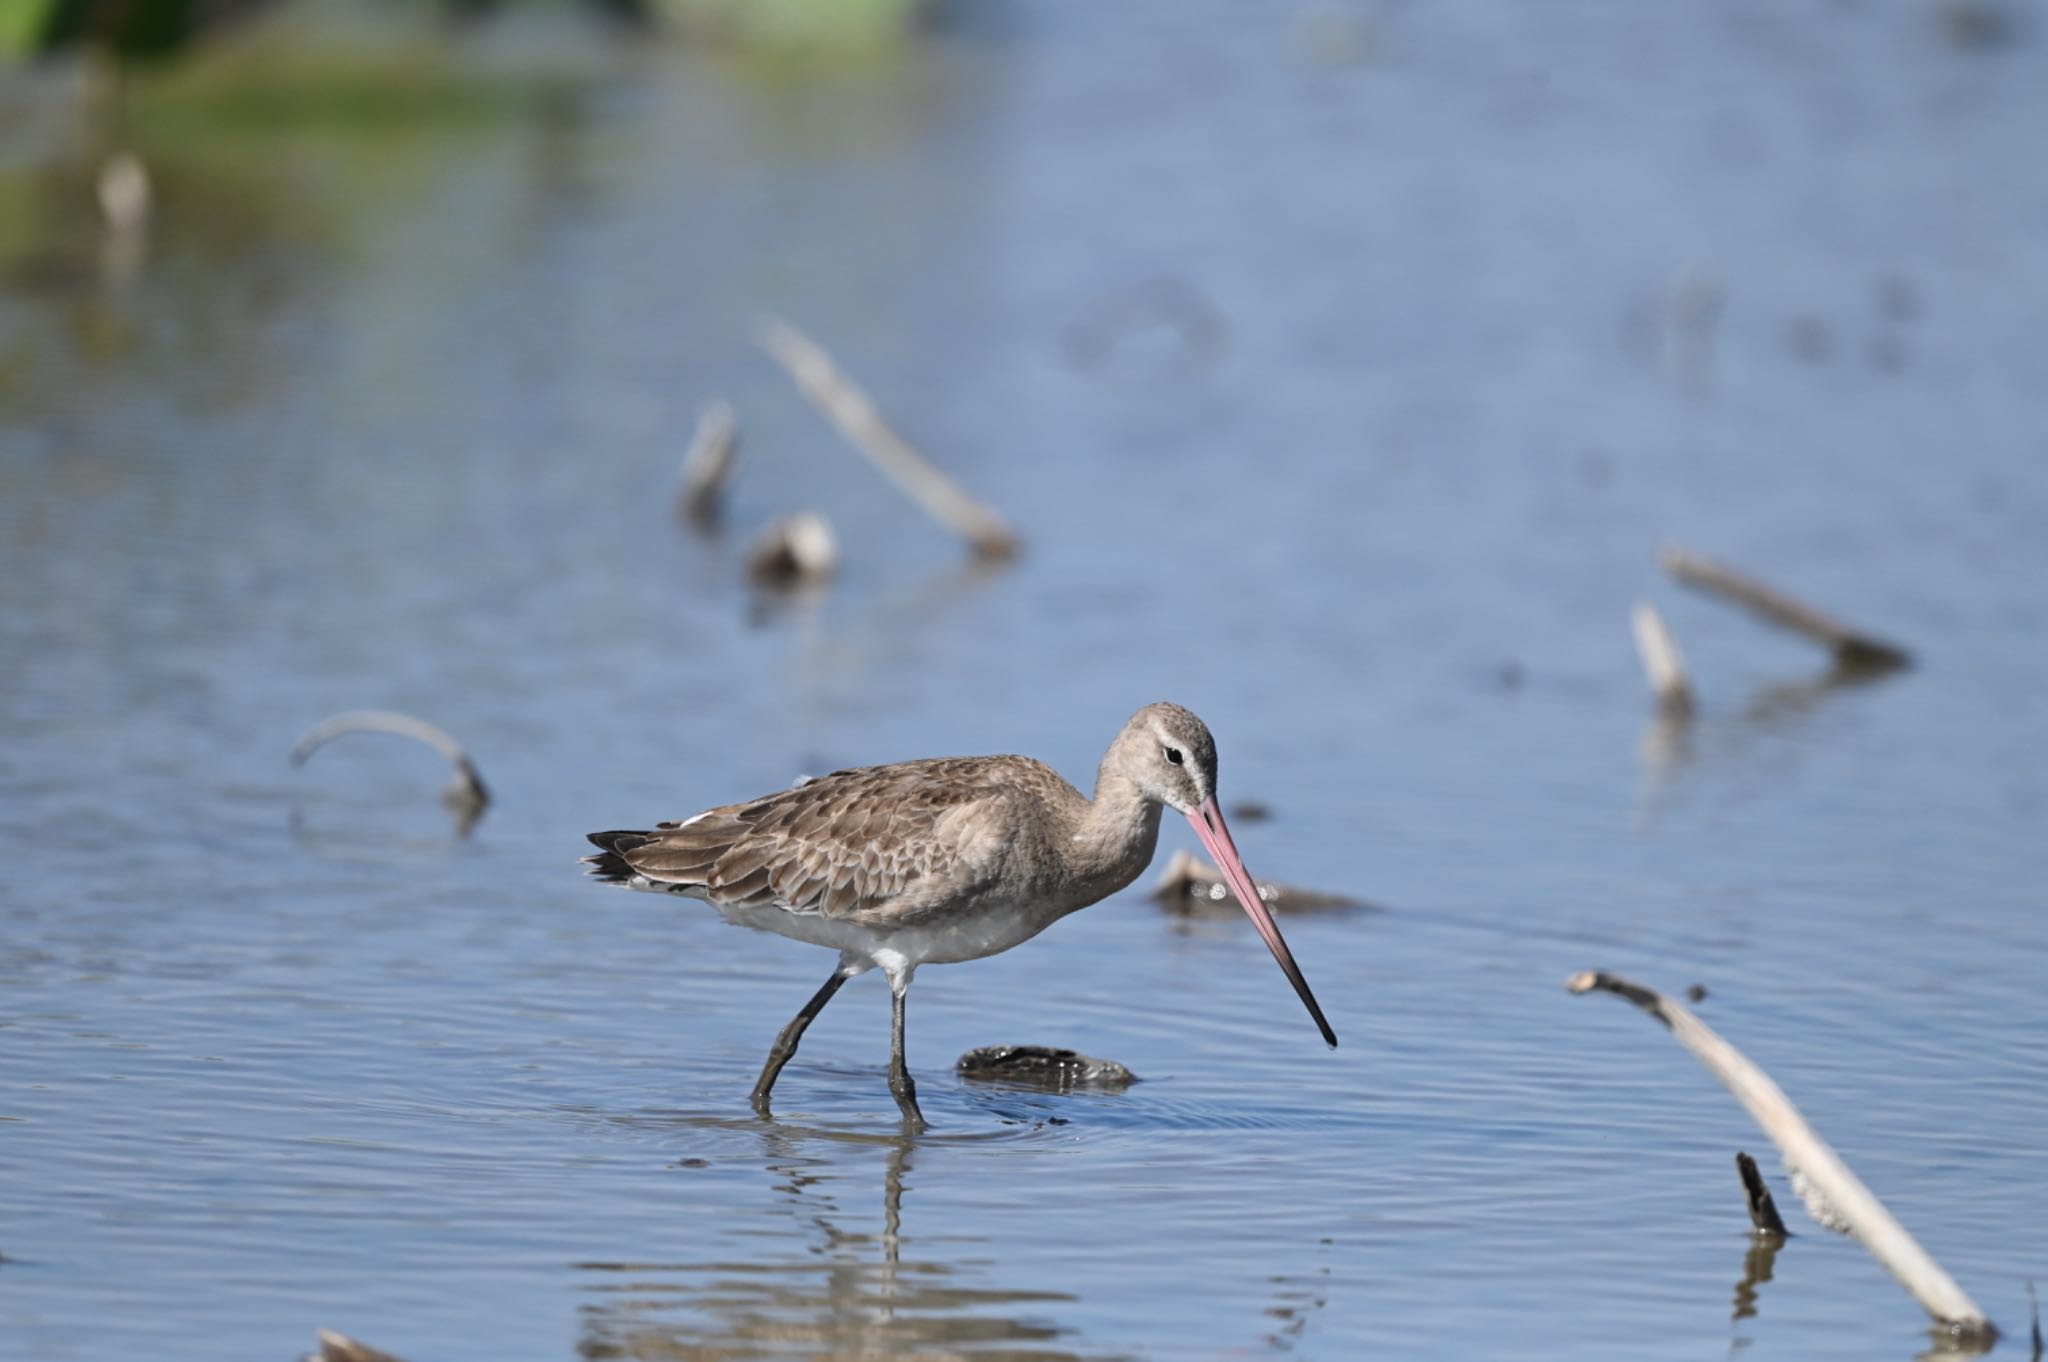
(1215, 834)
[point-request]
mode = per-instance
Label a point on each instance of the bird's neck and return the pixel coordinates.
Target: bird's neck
(1114, 836)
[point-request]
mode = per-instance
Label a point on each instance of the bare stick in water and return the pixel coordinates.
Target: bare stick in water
(1833, 1194)
(1763, 1211)
(861, 422)
(466, 796)
(1851, 647)
(707, 465)
(1662, 662)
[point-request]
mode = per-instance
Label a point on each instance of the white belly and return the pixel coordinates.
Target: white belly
(965, 932)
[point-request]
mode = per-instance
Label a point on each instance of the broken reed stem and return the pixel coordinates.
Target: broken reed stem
(1763, 1211)
(708, 463)
(1662, 662)
(1851, 647)
(861, 422)
(1833, 1193)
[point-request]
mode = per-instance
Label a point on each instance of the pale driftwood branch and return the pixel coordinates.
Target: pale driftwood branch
(1763, 1211)
(795, 550)
(467, 795)
(1832, 1193)
(861, 422)
(1662, 662)
(708, 464)
(1851, 647)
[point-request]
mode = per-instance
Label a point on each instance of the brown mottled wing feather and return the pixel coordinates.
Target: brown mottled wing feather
(865, 844)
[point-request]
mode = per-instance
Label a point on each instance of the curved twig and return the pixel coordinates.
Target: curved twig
(466, 794)
(1833, 1194)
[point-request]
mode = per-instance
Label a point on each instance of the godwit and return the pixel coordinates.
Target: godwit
(937, 861)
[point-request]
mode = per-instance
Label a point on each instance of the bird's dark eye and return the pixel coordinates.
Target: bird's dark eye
(1173, 755)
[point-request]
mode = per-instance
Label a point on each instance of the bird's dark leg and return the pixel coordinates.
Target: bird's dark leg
(900, 1085)
(785, 1044)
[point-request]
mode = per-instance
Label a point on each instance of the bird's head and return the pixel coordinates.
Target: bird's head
(1167, 753)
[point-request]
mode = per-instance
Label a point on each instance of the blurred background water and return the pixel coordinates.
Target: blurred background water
(1342, 366)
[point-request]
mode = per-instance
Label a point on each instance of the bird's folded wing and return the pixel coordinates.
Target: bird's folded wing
(863, 844)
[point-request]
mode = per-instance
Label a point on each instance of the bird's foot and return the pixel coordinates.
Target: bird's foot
(905, 1093)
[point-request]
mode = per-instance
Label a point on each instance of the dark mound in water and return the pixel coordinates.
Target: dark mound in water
(1041, 1066)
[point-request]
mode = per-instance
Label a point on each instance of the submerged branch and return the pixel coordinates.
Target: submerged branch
(1189, 884)
(1851, 647)
(336, 1347)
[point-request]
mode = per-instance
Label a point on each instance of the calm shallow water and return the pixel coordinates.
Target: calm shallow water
(388, 417)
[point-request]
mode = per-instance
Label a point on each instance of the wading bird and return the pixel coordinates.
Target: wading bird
(937, 861)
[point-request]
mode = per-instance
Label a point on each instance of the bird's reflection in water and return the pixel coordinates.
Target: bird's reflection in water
(833, 1290)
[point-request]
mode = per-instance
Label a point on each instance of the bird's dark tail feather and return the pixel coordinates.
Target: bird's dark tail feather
(609, 865)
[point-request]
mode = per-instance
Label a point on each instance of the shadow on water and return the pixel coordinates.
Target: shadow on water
(837, 1283)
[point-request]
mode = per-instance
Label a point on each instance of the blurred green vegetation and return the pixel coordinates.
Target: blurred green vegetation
(277, 140)
(146, 29)
(131, 28)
